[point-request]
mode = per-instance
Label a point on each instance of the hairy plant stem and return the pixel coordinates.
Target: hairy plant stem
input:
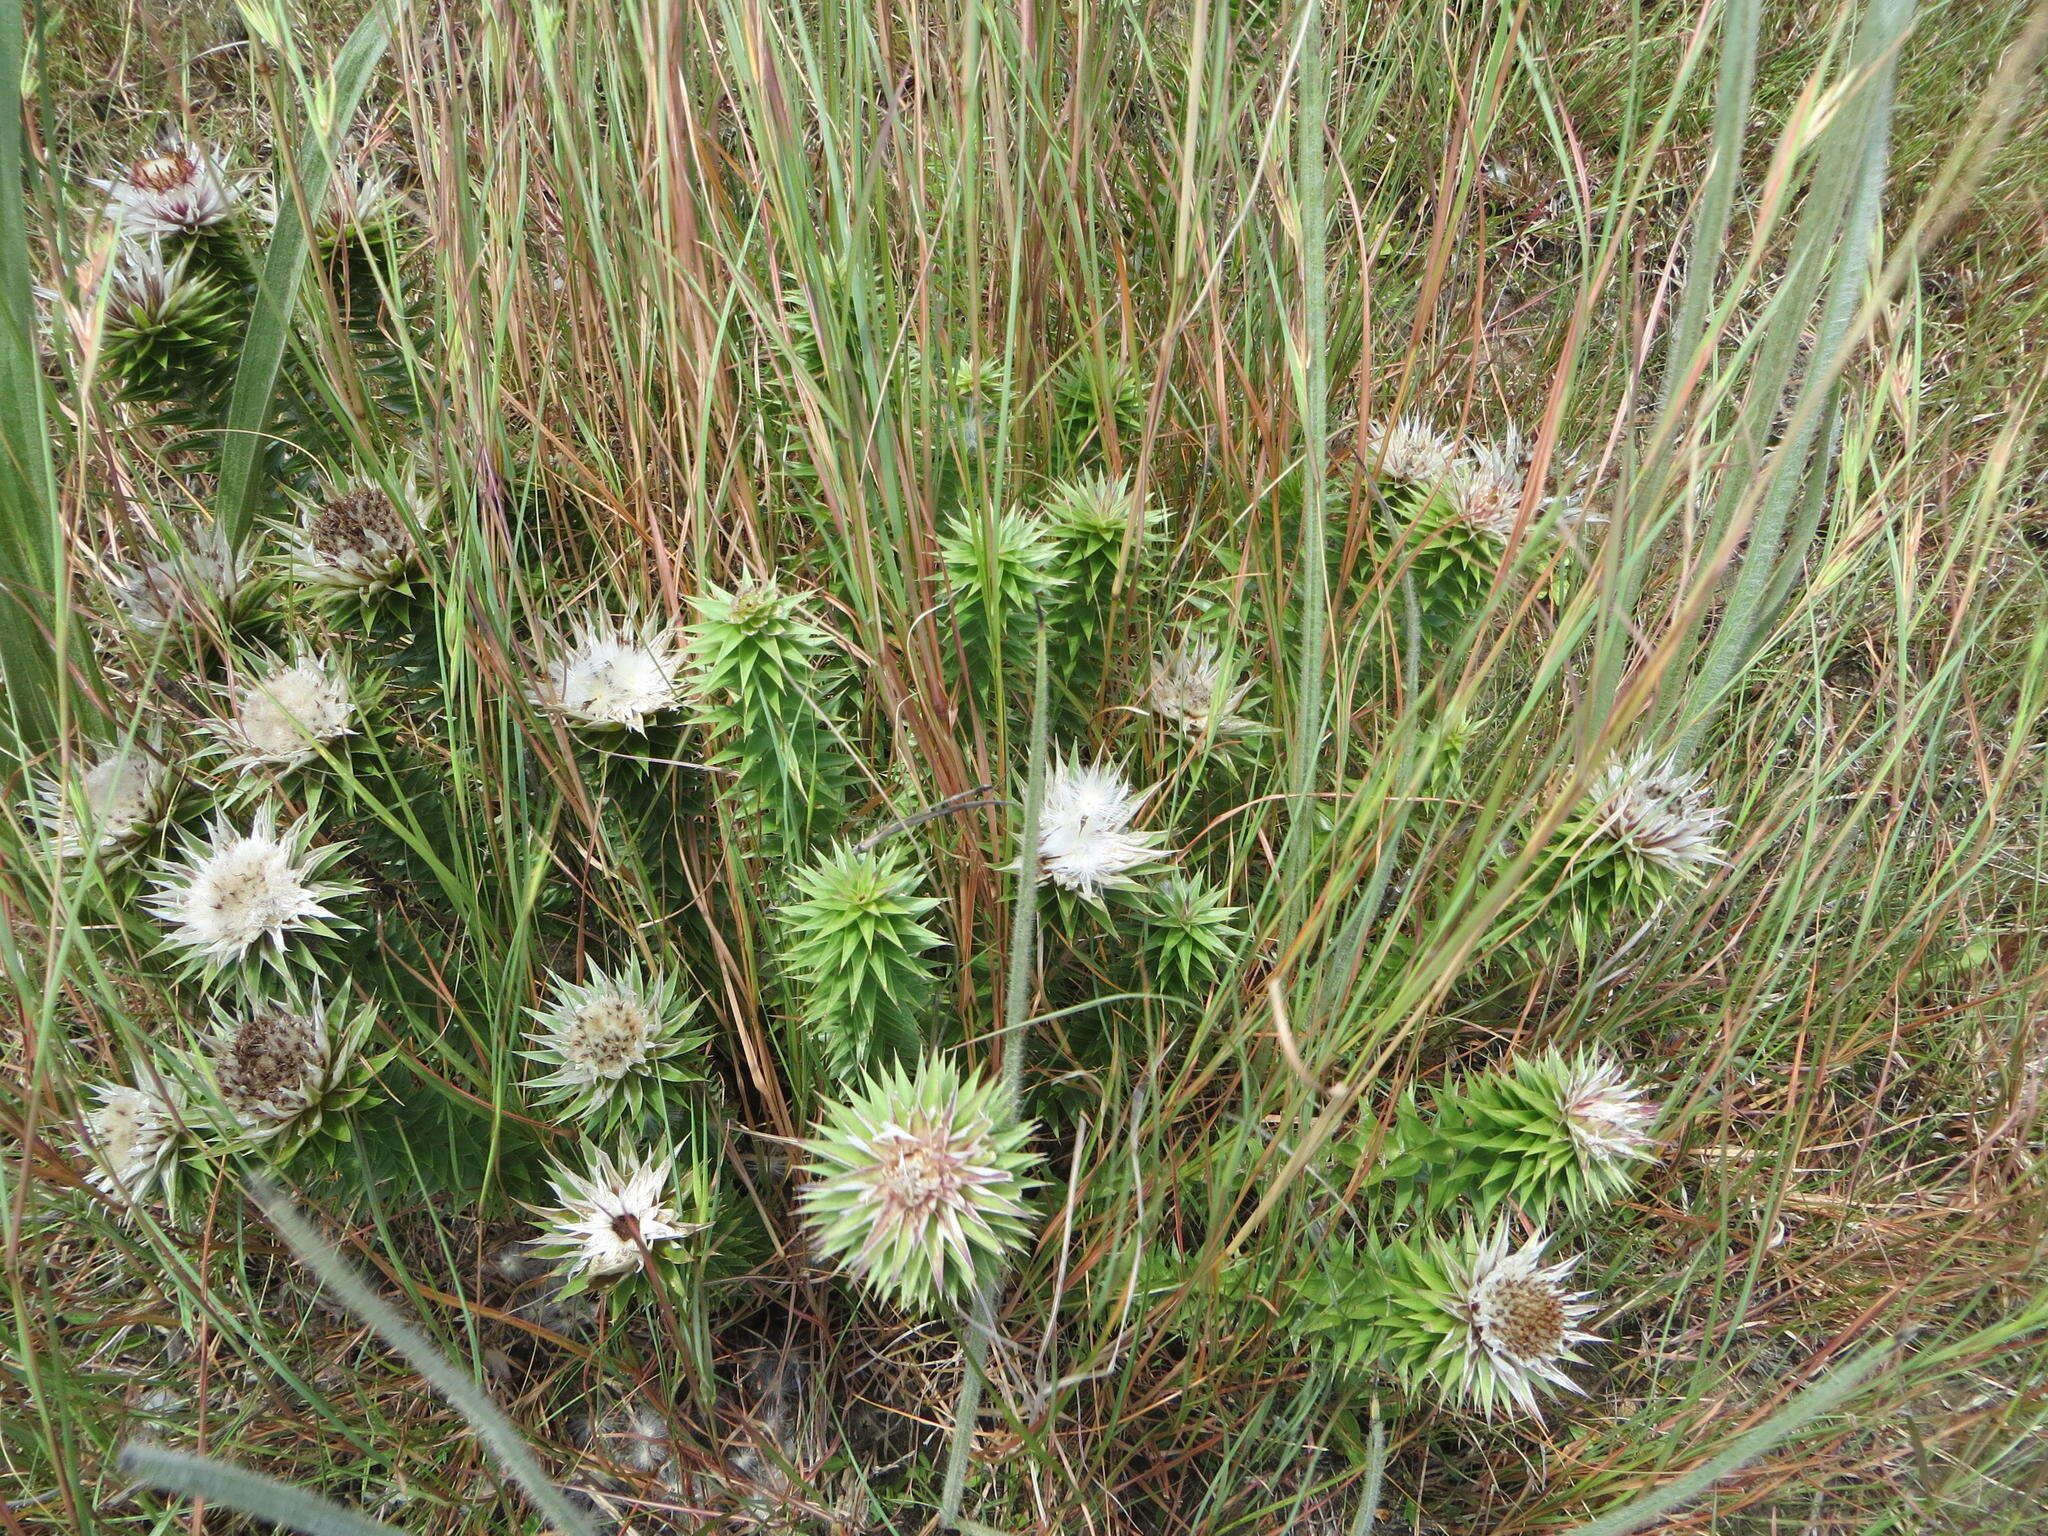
(978, 1323)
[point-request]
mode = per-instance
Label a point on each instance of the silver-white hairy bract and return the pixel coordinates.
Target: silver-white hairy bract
(1085, 844)
(285, 712)
(1608, 1115)
(605, 1220)
(233, 891)
(178, 190)
(1410, 451)
(1192, 687)
(1521, 1322)
(194, 575)
(113, 803)
(1651, 807)
(609, 674)
(126, 1136)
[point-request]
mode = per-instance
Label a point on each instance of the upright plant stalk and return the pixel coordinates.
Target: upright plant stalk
(980, 1323)
(1312, 88)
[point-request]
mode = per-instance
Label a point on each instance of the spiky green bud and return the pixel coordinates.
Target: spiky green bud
(767, 680)
(917, 1185)
(854, 947)
(1094, 400)
(1548, 1132)
(1191, 932)
(999, 567)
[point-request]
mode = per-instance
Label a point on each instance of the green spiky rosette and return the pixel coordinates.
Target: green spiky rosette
(610, 1049)
(917, 1185)
(1452, 565)
(766, 679)
(854, 948)
(1551, 1132)
(1485, 1328)
(171, 331)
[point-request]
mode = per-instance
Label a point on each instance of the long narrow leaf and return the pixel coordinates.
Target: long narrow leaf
(254, 395)
(249, 1493)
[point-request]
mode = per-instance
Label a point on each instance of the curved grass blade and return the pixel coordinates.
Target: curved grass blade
(246, 1492)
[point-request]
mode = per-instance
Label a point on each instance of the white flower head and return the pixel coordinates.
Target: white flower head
(281, 1067)
(1192, 687)
(1487, 487)
(610, 674)
(177, 190)
(126, 1137)
(612, 1041)
(112, 804)
(1085, 844)
(356, 540)
(1410, 451)
(607, 1218)
(234, 891)
(1608, 1115)
(194, 576)
(363, 200)
(283, 713)
(1520, 1323)
(1653, 809)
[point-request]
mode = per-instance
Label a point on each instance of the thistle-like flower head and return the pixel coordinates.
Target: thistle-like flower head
(1193, 687)
(1487, 487)
(192, 576)
(363, 200)
(610, 674)
(1609, 1116)
(177, 190)
(1085, 844)
(126, 1136)
(283, 712)
(605, 1220)
(355, 539)
(1519, 1324)
(1410, 451)
(113, 803)
(917, 1184)
(1655, 810)
(609, 1043)
(1548, 1130)
(282, 1067)
(234, 891)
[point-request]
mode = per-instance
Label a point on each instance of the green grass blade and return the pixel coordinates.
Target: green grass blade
(277, 288)
(29, 521)
(1823, 1397)
(249, 1493)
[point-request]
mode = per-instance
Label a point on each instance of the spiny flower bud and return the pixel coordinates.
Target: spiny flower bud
(917, 1184)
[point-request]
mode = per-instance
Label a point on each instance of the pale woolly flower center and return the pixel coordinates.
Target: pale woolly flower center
(606, 1036)
(126, 1130)
(284, 715)
(246, 891)
(1608, 1121)
(921, 1169)
(167, 172)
